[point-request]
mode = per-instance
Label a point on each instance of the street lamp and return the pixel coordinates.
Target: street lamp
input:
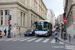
(64, 31)
(9, 25)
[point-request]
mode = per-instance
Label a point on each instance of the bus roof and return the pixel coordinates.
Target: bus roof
(43, 21)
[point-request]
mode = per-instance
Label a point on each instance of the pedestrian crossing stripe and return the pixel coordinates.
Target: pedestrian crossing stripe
(9, 39)
(25, 39)
(46, 40)
(18, 39)
(39, 40)
(53, 41)
(29, 39)
(61, 42)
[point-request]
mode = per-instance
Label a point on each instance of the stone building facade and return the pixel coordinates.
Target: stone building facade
(23, 13)
(55, 21)
(51, 17)
(69, 9)
(60, 19)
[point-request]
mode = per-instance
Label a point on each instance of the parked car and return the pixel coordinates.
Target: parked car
(0, 33)
(29, 32)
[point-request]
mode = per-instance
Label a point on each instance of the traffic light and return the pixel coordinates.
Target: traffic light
(64, 15)
(10, 25)
(10, 17)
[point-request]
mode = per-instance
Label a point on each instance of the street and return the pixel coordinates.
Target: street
(39, 18)
(31, 43)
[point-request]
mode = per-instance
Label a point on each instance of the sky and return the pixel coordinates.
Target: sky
(55, 5)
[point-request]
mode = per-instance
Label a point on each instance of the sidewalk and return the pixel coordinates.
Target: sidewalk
(16, 36)
(72, 41)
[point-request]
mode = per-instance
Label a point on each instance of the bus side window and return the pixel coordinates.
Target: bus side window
(48, 26)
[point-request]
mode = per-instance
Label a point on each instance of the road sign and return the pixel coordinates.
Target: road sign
(8, 21)
(64, 20)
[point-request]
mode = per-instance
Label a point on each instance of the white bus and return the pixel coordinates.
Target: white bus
(43, 28)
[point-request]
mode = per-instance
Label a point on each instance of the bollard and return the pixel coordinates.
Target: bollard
(69, 38)
(20, 34)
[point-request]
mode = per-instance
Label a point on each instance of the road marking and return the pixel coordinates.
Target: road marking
(2, 39)
(31, 40)
(46, 40)
(61, 42)
(53, 41)
(25, 39)
(17, 39)
(10, 39)
(69, 47)
(38, 40)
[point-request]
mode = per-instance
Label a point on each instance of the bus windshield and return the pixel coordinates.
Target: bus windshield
(41, 26)
(45, 26)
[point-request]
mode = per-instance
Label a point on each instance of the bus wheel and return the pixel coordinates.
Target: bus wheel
(50, 34)
(36, 35)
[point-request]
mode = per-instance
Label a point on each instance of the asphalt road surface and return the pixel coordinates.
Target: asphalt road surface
(32, 43)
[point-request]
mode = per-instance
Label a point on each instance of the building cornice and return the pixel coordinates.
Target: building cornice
(44, 4)
(66, 3)
(70, 9)
(13, 2)
(29, 8)
(20, 4)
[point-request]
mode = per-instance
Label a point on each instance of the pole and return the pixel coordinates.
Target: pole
(61, 30)
(9, 30)
(65, 37)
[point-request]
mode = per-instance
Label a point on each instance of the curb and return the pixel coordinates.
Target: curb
(65, 41)
(17, 36)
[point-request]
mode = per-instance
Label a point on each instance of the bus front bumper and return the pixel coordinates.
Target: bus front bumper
(41, 34)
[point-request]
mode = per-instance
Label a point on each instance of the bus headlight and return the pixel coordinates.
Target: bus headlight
(36, 32)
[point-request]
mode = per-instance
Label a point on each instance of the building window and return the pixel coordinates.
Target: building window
(6, 12)
(31, 20)
(21, 19)
(1, 22)
(24, 19)
(1, 17)
(6, 17)
(31, 23)
(36, 18)
(1, 12)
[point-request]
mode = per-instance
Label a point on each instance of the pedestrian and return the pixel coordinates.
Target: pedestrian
(5, 32)
(0, 32)
(57, 28)
(62, 30)
(56, 35)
